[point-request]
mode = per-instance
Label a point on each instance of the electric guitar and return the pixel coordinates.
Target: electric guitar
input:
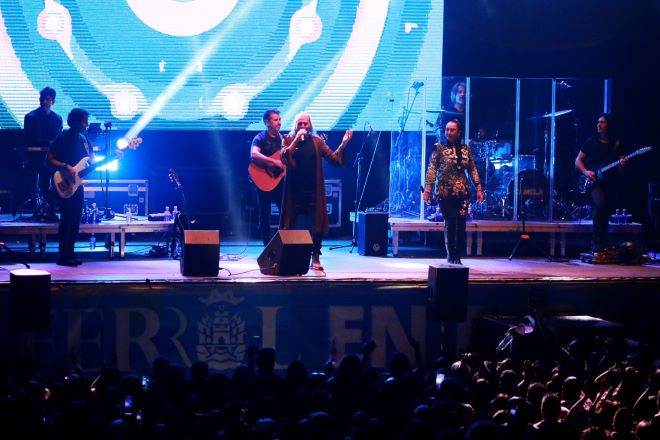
(585, 184)
(267, 179)
(181, 221)
(66, 185)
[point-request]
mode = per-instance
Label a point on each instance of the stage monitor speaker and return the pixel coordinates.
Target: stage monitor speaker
(200, 256)
(287, 253)
(372, 233)
(447, 300)
(29, 300)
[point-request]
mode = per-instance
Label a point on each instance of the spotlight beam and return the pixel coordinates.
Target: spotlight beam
(191, 68)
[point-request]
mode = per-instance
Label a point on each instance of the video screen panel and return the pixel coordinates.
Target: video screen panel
(218, 64)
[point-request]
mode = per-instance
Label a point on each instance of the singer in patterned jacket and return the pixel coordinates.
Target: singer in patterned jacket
(450, 164)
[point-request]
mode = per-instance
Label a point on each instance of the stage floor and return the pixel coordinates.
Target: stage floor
(238, 263)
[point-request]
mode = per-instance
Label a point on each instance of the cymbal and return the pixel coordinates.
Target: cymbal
(448, 112)
(549, 114)
(557, 113)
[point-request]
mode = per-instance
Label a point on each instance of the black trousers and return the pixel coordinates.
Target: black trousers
(602, 202)
(264, 200)
(70, 214)
(304, 218)
(454, 227)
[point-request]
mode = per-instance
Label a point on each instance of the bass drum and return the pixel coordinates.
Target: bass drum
(533, 191)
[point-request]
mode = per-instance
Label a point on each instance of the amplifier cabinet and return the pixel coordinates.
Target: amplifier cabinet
(122, 194)
(333, 193)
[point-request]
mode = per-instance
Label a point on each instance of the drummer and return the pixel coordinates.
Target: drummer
(455, 110)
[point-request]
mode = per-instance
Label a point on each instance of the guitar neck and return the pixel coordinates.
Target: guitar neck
(616, 163)
(92, 167)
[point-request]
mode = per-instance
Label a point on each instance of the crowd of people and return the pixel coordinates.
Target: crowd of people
(592, 391)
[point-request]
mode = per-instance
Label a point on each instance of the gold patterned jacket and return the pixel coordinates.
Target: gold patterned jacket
(452, 182)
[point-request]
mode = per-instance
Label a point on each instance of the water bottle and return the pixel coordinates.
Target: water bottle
(85, 214)
(624, 216)
(168, 215)
(92, 242)
(129, 216)
(617, 216)
(438, 214)
(95, 214)
(175, 213)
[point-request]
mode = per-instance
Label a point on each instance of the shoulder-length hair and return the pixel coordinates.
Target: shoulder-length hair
(311, 130)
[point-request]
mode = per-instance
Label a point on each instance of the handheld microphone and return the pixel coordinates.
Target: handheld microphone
(417, 85)
(505, 342)
(302, 138)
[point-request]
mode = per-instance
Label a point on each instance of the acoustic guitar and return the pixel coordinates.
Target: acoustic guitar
(267, 179)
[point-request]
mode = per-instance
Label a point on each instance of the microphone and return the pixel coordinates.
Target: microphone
(302, 138)
(371, 129)
(505, 342)
(417, 85)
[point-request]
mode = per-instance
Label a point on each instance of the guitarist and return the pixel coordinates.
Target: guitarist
(262, 153)
(601, 149)
(67, 150)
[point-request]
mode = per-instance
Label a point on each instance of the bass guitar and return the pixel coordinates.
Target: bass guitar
(585, 184)
(181, 221)
(66, 185)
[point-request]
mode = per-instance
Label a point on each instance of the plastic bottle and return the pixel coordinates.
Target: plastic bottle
(438, 214)
(85, 214)
(168, 215)
(95, 214)
(617, 216)
(129, 216)
(92, 241)
(175, 213)
(624, 216)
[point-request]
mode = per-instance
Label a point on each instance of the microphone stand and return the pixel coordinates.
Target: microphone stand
(107, 212)
(524, 236)
(356, 201)
(13, 255)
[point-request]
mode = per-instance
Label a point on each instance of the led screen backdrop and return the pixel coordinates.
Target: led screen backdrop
(217, 64)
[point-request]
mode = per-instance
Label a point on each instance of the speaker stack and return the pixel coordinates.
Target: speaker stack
(29, 300)
(448, 287)
(287, 253)
(372, 233)
(200, 256)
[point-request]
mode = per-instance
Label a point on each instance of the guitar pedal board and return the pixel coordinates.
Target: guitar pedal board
(606, 256)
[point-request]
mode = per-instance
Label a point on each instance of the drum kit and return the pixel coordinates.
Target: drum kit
(495, 163)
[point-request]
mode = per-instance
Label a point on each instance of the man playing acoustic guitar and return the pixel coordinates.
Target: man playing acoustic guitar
(266, 170)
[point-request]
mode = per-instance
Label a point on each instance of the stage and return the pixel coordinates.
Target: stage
(238, 264)
(139, 307)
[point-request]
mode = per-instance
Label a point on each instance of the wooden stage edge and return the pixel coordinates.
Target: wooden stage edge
(35, 244)
(557, 231)
(238, 264)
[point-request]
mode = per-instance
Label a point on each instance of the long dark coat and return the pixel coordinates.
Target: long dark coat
(334, 157)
